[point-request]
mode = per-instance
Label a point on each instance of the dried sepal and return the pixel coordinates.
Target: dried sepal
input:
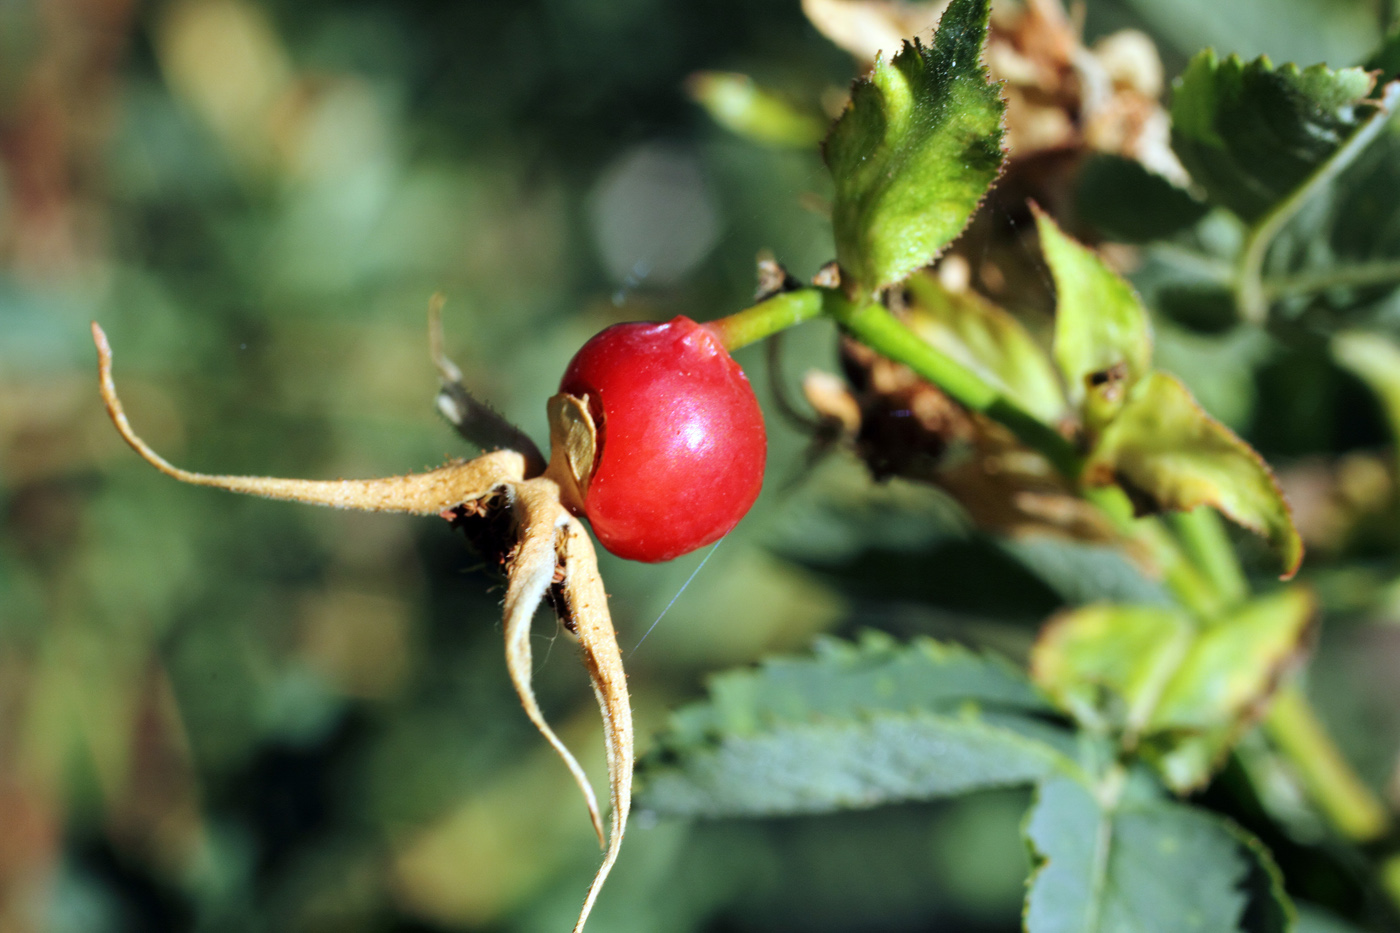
(543, 550)
(427, 493)
(476, 421)
(573, 448)
(530, 572)
(585, 609)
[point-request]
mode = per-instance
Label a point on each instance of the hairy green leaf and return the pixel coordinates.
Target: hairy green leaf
(1168, 454)
(1103, 341)
(853, 726)
(1146, 865)
(987, 340)
(741, 106)
(914, 153)
(1251, 132)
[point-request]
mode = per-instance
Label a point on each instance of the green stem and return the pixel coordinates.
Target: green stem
(783, 310)
(1359, 275)
(1348, 804)
(880, 330)
(1250, 296)
(1205, 543)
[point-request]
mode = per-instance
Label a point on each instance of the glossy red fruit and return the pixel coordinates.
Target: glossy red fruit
(681, 443)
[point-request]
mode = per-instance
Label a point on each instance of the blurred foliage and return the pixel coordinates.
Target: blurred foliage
(227, 714)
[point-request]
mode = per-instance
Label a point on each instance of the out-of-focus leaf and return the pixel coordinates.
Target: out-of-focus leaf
(1151, 866)
(1235, 662)
(1126, 201)
(1103, 341)
(1375, 359)
(1109, 665)
(988, 341)
(853, 726)
(914, 153)
(1168, 454)
(1250, 133)
(1185, 687)
(741, 106)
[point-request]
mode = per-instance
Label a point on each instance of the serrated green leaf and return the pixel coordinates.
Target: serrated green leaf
(1103, 341)
(1183, 688)
(1168, 454)
(743, 107)
(853, 726)
(914, 153)
(1250, 132)
(987, 340)
(1148, 866)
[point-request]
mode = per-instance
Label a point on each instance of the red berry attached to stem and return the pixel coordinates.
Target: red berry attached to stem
(658, 439)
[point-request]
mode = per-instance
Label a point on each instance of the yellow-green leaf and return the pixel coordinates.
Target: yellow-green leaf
(1103, 341)
(1168, 454)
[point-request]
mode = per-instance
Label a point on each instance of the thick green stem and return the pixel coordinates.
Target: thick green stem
(1250, 296)
(1348, 804)
(768, 317)
(1203, 540)
(1359, 275)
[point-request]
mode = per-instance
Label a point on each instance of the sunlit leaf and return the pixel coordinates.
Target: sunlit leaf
(1108, 665)
(1168, 454)
(1186, 688)
(988, 341)
(854, 726)
(914, 153)
(1147, 865)
(1234, 663)
(1251, 132)
(741, 106)
(1103, 341)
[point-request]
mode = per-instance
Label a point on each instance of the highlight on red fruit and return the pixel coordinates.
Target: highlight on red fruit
(674, 445)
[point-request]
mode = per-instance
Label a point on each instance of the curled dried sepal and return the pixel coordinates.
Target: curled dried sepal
(551, 551)
(573, 448)
(418, 493)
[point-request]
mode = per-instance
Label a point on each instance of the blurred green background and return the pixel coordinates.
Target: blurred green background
(226, 714)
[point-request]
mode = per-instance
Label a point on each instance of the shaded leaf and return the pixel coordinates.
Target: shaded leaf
(1147, 865)
(1168, 454)
(1103, 341)
(987, 340)
(914, 153)
(1250, 132)
(1375, 359)
(853, 726)
(1127, 201)
(741, 106)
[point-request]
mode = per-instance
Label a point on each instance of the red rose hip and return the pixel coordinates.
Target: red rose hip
(680, 444)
